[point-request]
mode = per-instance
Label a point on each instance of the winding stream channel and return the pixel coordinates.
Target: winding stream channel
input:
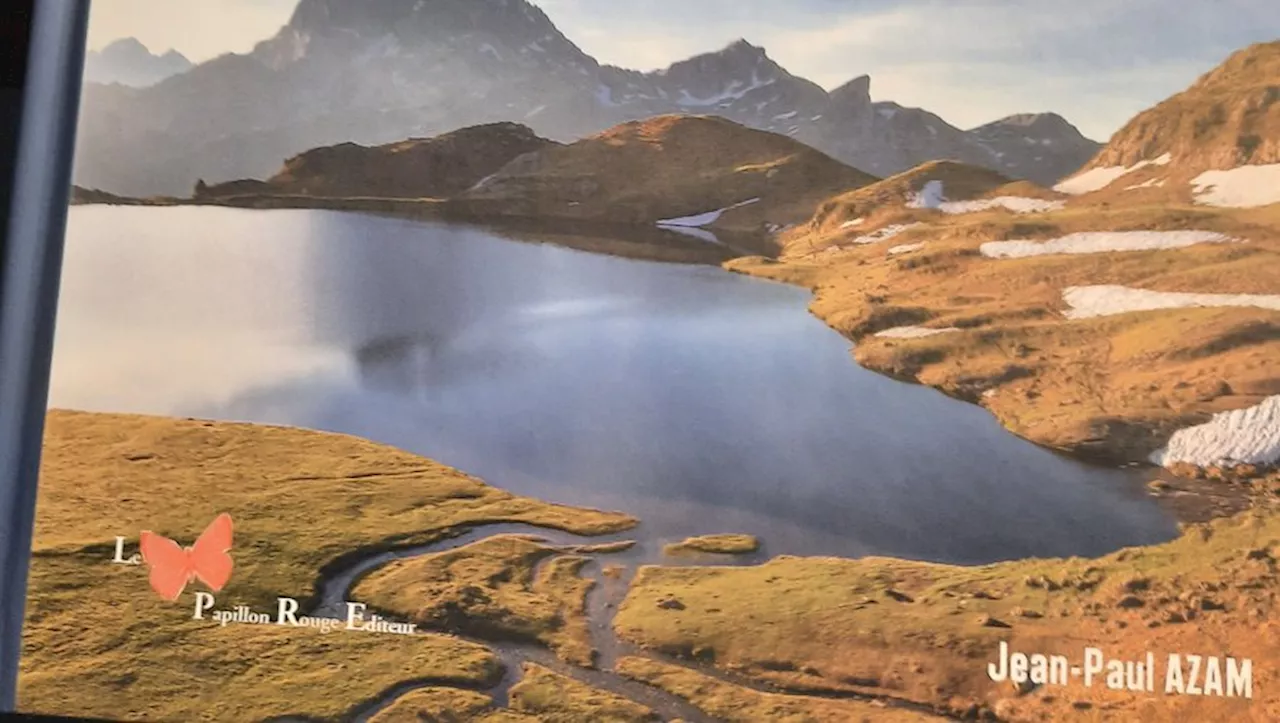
(694, 399)
(601, 605)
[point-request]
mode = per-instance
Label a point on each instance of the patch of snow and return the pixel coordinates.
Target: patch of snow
(1096, 179)
(481, 183)
(885, 233)
(816, 117)
(905, 249)
(535, 111)
(928, 197)
(699, 233)
(913, 332)
(784, 116)
(932, 196)
(703, 219)
(1152, 183)
(1244, 436)
(734, 91)
(1017, 204)
(1087, 302)
(1242, 187)
(487, 48)
(604, 96)
(852, 223)
(1093, 242)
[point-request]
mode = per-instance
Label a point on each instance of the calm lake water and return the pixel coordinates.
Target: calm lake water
(698, 400)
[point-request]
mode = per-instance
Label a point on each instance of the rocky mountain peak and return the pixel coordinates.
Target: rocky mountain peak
(735, 59)
(125, 48)
(742, 47)
(1034, 125)
(725, 75)
(1038, 121)
(128, 62)
(327, 16)
(855, 93)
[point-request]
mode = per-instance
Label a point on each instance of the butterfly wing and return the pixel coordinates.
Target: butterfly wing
(209, 558)
(170, 571)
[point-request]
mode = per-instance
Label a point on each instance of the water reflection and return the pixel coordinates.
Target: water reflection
(699, 400)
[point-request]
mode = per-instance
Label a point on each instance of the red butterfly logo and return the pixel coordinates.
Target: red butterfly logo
(173, 566)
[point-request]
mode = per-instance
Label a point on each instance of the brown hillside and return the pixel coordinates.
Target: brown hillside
(888, 202)
(1229, 117)
(438, 167)
(960, 181)
(671, 167)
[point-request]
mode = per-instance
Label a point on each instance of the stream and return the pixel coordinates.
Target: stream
(602, 603)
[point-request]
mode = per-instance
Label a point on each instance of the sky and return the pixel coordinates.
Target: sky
(1097, 62)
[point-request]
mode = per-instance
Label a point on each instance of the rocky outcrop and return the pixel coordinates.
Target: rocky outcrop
(438, 167)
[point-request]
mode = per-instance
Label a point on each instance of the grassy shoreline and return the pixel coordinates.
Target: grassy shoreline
(814, 629)
(1105, 390)
(924, 633)
(299, 499)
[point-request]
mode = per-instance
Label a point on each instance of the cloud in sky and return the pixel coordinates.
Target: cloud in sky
(1098, 62)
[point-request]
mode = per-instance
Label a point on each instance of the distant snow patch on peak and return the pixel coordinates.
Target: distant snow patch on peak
(1243, 436)
(1093, 242)
(1240, 187)
(852, 222)
(1086, 302)
(734, 91)
(604, 95)
(1096, 179)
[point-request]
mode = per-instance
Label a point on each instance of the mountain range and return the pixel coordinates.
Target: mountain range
(128, 62)
(380, 71)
